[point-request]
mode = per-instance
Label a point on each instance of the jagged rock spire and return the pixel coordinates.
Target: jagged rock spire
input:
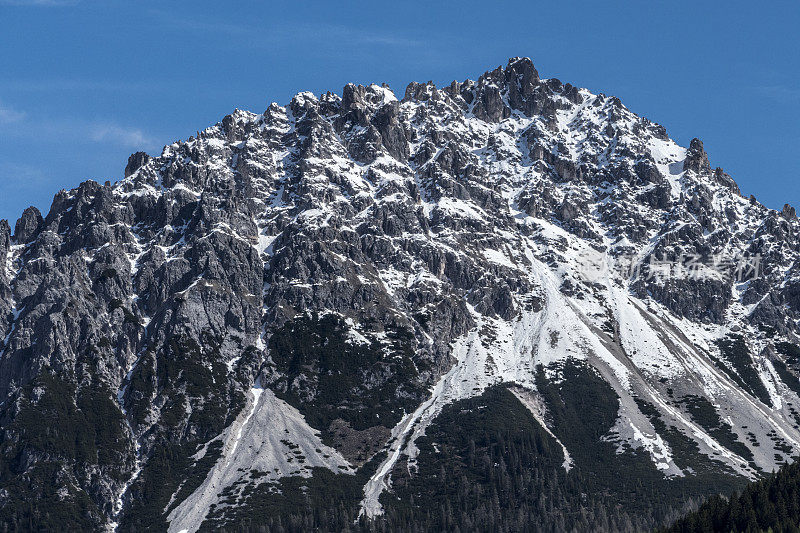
(696, 158)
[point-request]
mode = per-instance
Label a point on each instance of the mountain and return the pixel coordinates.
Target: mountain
(772, 504)
(504, 303)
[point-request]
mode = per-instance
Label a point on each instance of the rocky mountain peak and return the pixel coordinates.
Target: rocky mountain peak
(308, 296)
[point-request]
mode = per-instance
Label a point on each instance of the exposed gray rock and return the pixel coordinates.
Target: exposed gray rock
(135, 162)
(28, 226)
(696, 158)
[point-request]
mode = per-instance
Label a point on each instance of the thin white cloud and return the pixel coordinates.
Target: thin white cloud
(115, 134)
(9, 115)
(106, 132)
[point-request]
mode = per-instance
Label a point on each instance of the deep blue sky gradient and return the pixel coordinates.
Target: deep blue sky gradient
(83, 83)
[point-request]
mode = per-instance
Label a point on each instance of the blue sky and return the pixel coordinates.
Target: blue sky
(84, 83)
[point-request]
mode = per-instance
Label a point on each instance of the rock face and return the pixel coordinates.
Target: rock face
(28, 225)
(342, 269)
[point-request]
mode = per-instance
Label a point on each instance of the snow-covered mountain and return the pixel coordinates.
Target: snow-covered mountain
(282, 317)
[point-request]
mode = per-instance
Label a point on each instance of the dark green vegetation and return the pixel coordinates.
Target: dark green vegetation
(704, 413)
(771, 504)
(740, 367)
(486, 464)
(686, 452)
(789, 379)
(790, 351)
(789, 370)
(67, 432)
(327, 375)
(326, 501)
(189, 379)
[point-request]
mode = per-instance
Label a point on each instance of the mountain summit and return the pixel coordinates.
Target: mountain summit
(507, 302)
